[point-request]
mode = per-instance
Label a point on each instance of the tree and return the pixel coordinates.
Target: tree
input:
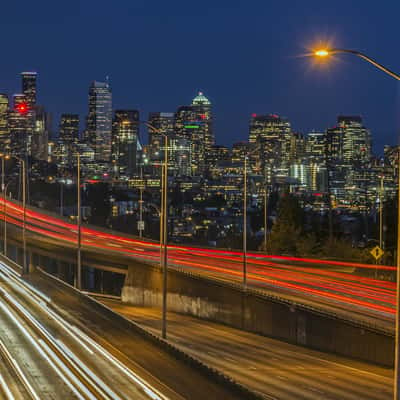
(287, 231)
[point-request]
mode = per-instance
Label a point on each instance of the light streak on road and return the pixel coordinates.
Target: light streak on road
(303, 276)
(76, 374)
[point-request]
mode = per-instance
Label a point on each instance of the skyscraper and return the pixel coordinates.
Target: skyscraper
(21, 127)
(99, 120)
(316, 149)
(202, 107)
(41, 134)
(125, 134)
(69, 128)
(356, 140)
(29, 88)
(164, 123)
(194, 122)
(272, 135)
(4, 128)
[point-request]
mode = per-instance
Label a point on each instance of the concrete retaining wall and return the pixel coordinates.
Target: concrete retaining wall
(256, 312)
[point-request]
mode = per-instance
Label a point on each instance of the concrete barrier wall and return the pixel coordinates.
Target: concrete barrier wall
(211, 373)
(256, 312)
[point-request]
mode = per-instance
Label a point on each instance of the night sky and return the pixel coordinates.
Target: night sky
(247, 57)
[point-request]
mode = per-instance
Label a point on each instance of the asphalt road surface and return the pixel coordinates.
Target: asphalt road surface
(268, 366)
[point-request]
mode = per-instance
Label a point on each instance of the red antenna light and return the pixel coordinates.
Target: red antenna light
(22, 108)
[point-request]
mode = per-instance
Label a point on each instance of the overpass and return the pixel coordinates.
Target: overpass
(310, 295)
(57, 343)
(326, 283)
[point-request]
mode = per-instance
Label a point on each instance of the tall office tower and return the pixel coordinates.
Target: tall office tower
(99, 120)
(349, 142)
(202, 106)
(125, 134)
(4, 128)
(194, 122)
(69, 128)
(29, 88)
(179, 152)
(20, 125)
(217, 154)
(297, 147)
(316, 147)
(273, 134)
(239, 151)
(164, 123)
(348, 151)
(41, 134)
(356, 140)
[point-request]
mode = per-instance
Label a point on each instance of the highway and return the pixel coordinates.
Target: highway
(327, 284)
(273, 368)
(54, 359)
(162, 374)
(59, 353)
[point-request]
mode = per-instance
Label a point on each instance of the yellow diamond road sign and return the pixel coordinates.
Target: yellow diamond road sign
(377, 252)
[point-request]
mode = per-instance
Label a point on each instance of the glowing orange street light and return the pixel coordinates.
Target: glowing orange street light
(321, 53)
(396, 391)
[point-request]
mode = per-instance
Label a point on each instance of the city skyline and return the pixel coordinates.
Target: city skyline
(377, 145)
(237, 75)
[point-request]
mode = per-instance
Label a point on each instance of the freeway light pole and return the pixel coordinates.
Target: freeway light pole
(266, 195)
(326, 53)
(5, 219)
(23, 172)
(246, 156)
(163, 228)
(78, 279)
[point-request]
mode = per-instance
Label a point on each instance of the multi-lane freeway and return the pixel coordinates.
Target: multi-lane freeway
(273, 368)
(46, 357)
(328, 284)
(54, 347)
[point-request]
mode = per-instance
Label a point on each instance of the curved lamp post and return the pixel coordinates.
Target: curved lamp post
(326, 53)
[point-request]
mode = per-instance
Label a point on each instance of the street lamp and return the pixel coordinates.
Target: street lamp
(3, 189)
(5, 219)
(78, 279)
(23, 173)
(245, 217)
(329, 52)
(163, 227)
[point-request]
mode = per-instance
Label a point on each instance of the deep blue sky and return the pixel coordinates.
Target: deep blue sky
(245, 56)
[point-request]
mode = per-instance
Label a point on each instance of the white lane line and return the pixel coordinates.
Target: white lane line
(41, 352)
(5, 389)
(146, 387)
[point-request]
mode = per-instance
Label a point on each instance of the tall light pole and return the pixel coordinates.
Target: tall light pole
(245, 223)
(4, 189)
(3, 157)
(246, 156)
(78, 279)
(163, 228)
(23, 172)
(165, 239)
(326, 53)
(141, 223)
(266, 194)
(5, 220)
